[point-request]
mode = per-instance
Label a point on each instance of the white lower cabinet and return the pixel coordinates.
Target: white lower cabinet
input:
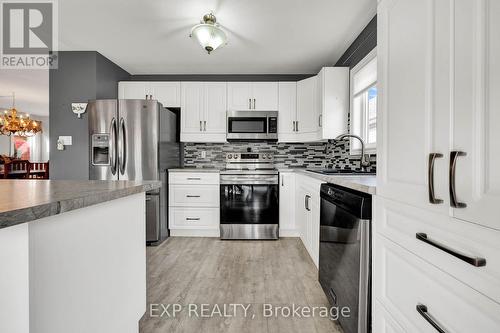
(307, 213)
(193, 203)
(383, 321)
(419, 295)
(287, 205)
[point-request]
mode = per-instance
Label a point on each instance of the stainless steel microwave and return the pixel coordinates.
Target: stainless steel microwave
(252, 125)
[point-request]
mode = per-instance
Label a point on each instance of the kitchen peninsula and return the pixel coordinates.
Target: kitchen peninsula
(72, 255)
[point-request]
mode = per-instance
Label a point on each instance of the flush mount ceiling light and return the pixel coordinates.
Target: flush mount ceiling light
(208, 33)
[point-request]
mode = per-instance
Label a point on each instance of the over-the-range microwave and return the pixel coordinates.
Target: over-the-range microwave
(252, 125)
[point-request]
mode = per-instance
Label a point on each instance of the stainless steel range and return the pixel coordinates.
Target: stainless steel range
(249, 203)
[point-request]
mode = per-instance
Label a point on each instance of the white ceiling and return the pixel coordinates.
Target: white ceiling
(31, 87)
(265, 36)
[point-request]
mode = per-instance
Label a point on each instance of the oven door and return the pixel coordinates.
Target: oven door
(249, 204)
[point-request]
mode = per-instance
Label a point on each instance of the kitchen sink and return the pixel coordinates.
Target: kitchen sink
(341, 172)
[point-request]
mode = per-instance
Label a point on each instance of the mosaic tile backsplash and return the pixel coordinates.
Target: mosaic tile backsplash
(298, 155)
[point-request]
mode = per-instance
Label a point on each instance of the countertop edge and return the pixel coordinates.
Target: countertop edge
(29, 214)
(345, 181)
(194, 170)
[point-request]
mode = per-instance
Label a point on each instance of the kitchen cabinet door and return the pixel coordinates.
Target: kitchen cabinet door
(215, 109)
(288, 227)
(476, 114)
(133, 90)
(287, 105)
(265, 96)
(301, 214)
(192, 102)
(413, 100)
(167, 93)
(239, 96)
(307, 109)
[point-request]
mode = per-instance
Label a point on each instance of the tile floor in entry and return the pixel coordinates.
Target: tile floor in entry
(210, 271)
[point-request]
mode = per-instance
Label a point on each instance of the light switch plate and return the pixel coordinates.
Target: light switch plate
(203, 154)
(66, 140)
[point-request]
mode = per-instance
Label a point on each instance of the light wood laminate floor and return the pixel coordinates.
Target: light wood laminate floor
(207, 270)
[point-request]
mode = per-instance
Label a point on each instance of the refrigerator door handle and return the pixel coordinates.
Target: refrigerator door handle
(122, 147)
(112, 144)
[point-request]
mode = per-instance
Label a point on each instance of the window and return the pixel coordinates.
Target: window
(364, 104)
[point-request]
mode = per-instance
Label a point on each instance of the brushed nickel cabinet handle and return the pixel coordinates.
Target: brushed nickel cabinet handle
(192, 196)
(250, 103)
(307, 197)
(430, 178)
(297, 126)
(254, 103)
(200, 126)
(204, 125)
(192, 218)
(422, 309)
(453, 165)
(282, 180)
(320, 120)
(474, 261)
(293, 126)
(193, 178)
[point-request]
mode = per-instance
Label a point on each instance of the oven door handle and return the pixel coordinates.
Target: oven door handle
(249, 180)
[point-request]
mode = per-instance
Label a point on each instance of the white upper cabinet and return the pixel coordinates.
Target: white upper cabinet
(333, 101)
(322, 106)
(203, 112)
(215, 108)
(265, 96)
(260, 96)
(412, 119)
(132, 90)
(287, 105)
(192, 108)
(476, 111)
(167, 93)
(438, 95)
(307, 107)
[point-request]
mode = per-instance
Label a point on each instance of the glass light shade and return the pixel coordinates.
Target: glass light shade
(209, 36)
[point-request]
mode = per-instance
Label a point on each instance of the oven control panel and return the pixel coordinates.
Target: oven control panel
(249, 157)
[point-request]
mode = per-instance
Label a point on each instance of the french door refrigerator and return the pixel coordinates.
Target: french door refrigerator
(135, 140)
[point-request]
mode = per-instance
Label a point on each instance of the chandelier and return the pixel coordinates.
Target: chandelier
(12, 124)
(209, 34)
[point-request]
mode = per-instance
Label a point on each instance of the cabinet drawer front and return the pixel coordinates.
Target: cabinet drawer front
(186, 178)
(194, 218)
(401, 223)
(194, 195)
(383, 321)
(402, 281)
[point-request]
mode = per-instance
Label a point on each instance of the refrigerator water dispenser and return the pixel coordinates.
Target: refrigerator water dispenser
(100, 149)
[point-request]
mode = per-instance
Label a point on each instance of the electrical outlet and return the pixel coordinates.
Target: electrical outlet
(203, 154)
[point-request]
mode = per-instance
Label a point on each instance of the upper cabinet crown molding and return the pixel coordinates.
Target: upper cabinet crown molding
(167, 93)
(247, 96)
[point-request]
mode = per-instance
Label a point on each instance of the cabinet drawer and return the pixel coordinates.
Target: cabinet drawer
(401, 223)
(194, 195)
(194, 218)
(402, 282)
(186, 178)
(383, 321)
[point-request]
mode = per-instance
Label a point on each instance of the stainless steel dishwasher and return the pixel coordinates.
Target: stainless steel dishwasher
(345, 254)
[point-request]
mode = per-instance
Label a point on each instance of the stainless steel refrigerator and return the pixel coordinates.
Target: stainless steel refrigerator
(134, 139)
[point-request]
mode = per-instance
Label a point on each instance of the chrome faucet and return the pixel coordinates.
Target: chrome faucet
(365, 159)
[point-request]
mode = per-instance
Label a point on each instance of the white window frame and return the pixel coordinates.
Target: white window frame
(369, 149)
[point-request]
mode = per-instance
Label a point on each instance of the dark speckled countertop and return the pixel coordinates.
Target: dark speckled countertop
(27, 200)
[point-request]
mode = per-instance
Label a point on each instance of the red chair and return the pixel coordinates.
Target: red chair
(39, 170)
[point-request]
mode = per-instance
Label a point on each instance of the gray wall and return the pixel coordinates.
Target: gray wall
(81, 76)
